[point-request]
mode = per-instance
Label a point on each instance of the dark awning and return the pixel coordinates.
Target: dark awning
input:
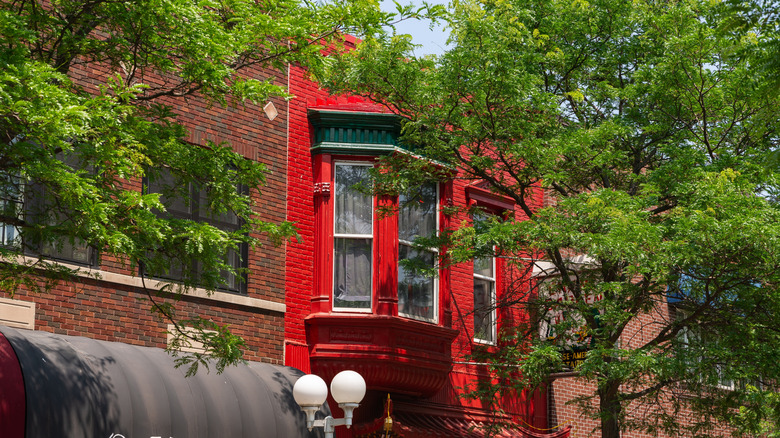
(80, 387)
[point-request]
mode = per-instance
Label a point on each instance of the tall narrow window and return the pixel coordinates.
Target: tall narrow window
(417, 216)
(11, 208)
(698, 344)
(485, 299)
(353, 238)
(484, 293)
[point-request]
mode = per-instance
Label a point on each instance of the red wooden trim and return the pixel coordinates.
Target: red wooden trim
(12, 401)
(487, 199)
(445, 222)
(502, 314)
(296, 355)
(439, 424)
(560, 433)
(393, 354)
(323, 236)
(539, 417)
(386, 259)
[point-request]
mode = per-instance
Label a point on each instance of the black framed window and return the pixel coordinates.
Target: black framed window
(42, 205)
(194, 206)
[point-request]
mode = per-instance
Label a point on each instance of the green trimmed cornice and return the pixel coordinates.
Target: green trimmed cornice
(354, 133)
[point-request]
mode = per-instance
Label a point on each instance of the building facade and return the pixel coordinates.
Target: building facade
(342, 296)
(85, 358)
(354, 302)
(108, 302)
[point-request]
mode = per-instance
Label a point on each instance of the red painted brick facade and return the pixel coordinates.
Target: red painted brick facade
(300, 202)
(456, 283)
(540, 413)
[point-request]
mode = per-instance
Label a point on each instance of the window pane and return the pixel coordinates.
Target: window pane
(44, 207)
(354, 210)
(9, 235)
(483, 266)
(352, 273)
(697, 344)
(194, 206)
(417, 214)
(415, 291)
(77, 251)
(176, 206)
(232, 281)
(483, 310)
(225, 220)
(176, 270)
(11, 202)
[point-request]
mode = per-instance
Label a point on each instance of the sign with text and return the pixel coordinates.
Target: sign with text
(575, 342)
(573, 359)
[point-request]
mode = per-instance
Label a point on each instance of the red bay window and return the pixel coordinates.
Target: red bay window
(377, 268)
(377, 299)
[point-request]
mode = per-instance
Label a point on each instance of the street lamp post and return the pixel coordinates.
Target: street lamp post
(347, 388)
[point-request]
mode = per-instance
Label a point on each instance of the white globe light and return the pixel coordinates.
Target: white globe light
(310, 390)
(348, 387)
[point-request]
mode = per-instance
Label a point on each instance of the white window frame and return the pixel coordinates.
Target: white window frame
(435, 252)
(12, 202)
(336, 235)
(491, 303)
(686, 335)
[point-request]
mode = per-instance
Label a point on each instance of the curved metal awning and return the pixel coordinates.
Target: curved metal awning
(80, 387)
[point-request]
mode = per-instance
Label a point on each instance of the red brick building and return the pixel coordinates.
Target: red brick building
(352, 305)
(337, 298)
(112, 307)
(108, 302)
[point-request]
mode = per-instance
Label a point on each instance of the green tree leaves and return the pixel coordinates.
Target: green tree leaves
(649, 127)
(96, 84)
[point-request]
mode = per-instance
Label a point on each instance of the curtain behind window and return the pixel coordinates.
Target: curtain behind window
(353, 238)
(416, 289)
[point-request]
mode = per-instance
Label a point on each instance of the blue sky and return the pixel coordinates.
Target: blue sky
(432, 41)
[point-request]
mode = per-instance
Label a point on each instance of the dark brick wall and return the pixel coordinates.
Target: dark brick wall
(113, 311)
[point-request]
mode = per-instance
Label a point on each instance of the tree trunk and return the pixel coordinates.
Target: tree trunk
(610, 409)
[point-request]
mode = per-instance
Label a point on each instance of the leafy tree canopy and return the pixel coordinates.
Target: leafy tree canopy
(649, 124)
(73, 149)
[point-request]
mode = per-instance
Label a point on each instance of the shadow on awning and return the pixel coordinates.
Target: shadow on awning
(80, 387)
